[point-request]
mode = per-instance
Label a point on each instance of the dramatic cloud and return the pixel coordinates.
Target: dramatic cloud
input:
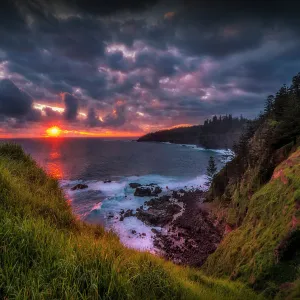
(71, 106)
(13, 102)
(117, 117)
(171, 62)
(92, 119)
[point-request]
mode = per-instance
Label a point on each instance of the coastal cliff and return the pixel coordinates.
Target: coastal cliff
(257, 195)
(217, 133)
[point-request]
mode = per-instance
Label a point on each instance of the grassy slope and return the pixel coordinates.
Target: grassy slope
(264, 250)
(46, 253)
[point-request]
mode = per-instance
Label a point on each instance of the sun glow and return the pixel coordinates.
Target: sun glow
(53, 131)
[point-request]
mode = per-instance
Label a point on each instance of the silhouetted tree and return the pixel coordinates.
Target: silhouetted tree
(211, 170)
(269, 104)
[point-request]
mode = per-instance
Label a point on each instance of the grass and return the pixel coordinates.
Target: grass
(264, 251)
(47, 253)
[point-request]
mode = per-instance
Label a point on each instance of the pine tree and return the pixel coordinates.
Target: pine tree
(211, 170)
(269, 105)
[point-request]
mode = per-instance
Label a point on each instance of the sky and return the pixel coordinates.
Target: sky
(125, 68)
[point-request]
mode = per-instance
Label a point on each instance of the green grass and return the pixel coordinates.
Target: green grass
(47, 253)
(264, 251)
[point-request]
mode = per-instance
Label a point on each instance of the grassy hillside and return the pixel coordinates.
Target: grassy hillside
(47, 253)
(258, 196)
(264, 250)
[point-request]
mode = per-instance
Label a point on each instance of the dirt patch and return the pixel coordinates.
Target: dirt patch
(280, 174)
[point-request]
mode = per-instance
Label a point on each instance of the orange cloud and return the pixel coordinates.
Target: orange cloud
(169, 15)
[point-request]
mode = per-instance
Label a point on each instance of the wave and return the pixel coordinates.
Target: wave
(198, 148)
(102, 203)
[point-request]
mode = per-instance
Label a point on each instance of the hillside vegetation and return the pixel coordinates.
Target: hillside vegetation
(215, 133)
(258, 195)
(47, 253)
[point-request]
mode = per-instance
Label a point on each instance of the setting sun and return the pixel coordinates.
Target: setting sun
(53, 131)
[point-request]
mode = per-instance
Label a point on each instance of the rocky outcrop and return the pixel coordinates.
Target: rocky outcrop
(134, 185)
(149, 190)
(142, 191)
(158, 217)
(188, 233)
(79, 186)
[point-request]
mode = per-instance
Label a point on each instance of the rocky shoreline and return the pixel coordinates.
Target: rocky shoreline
(183, 228)
(188, 234)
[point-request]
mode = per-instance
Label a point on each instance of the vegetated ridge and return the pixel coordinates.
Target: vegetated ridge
(258, 195)
(218, 132)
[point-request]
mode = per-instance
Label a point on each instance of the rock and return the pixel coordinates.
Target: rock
(128, 213)
(157, 190)
(122, 211)
(79, 186)
(143, 234)
(175, 194)
(142, 192)
(154, 230)
(158, 203)
(147, 190)
(134, 185)
(110, 215)
(106, 181)
(122, 218)
(133, 231)
(158, 216)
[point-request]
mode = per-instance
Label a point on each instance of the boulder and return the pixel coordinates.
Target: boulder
(157, 190)
(110, 215)
(134, 185)
(143, 192)
(128, 213)
(158, 217)
(106, 181)
(79, 186)
(148, 190)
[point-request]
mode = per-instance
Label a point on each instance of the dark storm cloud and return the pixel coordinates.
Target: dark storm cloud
(116, 61)
(71, 106)
(117, 118)
(51, 115)
(92, 118)
(173, 60)
(104, 8)
(13, 102)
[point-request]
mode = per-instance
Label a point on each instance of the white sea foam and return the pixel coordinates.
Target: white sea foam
(135, 234)
(115, 196)
(198, 148)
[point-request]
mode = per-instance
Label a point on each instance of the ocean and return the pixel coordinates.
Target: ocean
(108, 166)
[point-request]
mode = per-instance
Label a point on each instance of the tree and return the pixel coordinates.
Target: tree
(269, 105)
(211, 170)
